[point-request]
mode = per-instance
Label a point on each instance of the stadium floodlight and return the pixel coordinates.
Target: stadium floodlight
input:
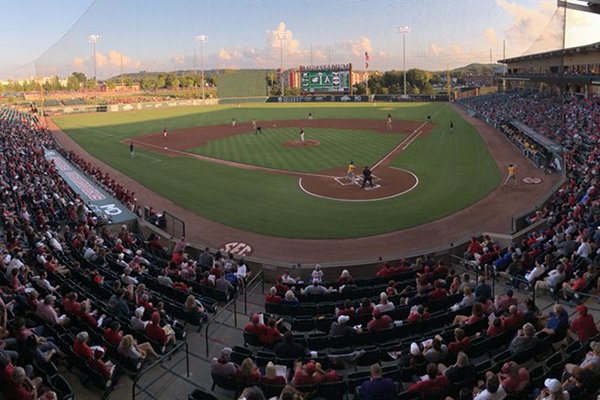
(281, 36)
(403, 30)
(93, 39)
(201, 39)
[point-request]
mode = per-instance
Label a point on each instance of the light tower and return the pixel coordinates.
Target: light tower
(201, 39)
(93, 39)
(282, 36)
(403, 30)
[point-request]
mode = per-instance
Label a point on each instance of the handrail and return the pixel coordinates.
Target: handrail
(159, 362)
(211, 320)
(259, 274)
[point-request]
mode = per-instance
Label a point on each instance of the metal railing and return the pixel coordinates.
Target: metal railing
(247, 289)
(169, 370)
(233, 302)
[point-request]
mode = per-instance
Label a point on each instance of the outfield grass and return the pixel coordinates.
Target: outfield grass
(337, 148)
(454, 169)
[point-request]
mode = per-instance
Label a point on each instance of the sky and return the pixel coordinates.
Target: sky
(43, 38)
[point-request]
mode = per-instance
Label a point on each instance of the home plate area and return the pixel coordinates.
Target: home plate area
(358, 181)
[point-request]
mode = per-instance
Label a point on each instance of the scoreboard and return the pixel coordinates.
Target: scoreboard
(326, 79)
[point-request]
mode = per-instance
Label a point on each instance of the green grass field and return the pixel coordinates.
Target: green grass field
(337, 147)
(454, 169)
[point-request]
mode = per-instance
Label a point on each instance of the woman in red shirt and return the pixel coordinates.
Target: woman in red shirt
(248, 374)
(270, 377)
(271, 334)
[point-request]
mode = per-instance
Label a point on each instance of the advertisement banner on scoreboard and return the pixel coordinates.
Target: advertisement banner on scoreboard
(317, 99)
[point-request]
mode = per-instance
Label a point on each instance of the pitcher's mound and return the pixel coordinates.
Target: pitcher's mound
(299, 143)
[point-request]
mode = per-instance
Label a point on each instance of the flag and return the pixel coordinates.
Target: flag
(366, 60)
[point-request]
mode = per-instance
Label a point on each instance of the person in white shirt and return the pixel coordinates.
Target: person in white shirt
(120, 262)
(493, 390)
(553, 391)
(127, 279)
(384, 304)
(137, 323)
(287, 279)
(43, 283)
(317, 274)
(584, 249)
(536, 272)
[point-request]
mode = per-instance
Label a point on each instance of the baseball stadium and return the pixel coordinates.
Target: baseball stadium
(341, 200)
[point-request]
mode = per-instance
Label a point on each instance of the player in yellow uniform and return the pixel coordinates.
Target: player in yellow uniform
(350, 171)
(512, 174)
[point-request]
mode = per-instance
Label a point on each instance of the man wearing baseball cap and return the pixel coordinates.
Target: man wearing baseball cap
(379, 322)
(341, 327)
(551, 390)
(583, 327)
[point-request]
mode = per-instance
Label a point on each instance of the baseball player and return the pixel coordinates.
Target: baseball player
(165, 133)
(512, 174)
(302, 134)
(350, 171)
(389, 122)
(253, 124)
(131, 150)
(233, 122)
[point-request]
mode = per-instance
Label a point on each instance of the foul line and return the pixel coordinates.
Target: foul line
(363, 200)
(156, 160)
(233, 163)
(410, 138)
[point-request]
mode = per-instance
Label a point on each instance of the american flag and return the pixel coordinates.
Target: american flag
(366, 60)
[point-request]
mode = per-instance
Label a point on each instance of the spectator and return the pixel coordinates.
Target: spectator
(248, 373)
(137, 324)
(553, 391)
(378, 387)
(524, 340)
(341, 327)
(437, 352)
(81, 347)
(504, 302)
(583, 327)
(113, 334)
(495, 327)
(317, 274)
(287, 348)
(271, 333)
(463, 369)
(557, 321)
(436, 383)
(461, 342)
(47, 312)
(512, 378)
(129, 348)
(384, 304)
(379, 322)
(290, 299)
(366, 307)
(591, 361)
(223, 366)
(476, 315)
(483, 291)
(273, 297)
(493, 390)
(270, 377)
(515, 318)
(316, 289)
(194, 309)
(164, 335)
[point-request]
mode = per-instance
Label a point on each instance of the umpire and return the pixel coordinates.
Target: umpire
(367, 177)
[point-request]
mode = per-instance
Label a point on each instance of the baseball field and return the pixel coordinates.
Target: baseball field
(274, 184)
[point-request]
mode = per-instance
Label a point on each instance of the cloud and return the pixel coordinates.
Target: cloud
(532, 27)
(101, 60)
(361, 45)
(290, 45)
(457, 51)
(224, 55)
(78, 62)
(115, 58)
(178, 59)
(435, 49)
(490, 36)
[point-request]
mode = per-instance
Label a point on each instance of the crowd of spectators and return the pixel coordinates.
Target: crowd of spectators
(73, 290)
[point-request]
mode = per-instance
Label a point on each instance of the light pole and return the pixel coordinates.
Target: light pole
(404, 30)
(93, 39)
(201, 39)
(282, 36)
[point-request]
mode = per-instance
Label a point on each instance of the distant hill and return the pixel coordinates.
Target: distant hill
(476, 69)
